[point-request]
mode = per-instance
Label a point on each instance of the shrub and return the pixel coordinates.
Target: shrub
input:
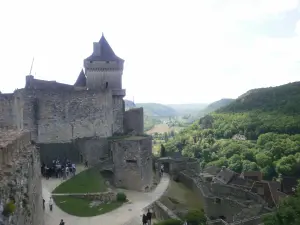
(9, 209)
(169, 222)
(195, 217)
(121, 197)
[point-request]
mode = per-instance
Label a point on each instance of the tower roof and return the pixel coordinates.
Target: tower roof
(81, 80)
(105, 52)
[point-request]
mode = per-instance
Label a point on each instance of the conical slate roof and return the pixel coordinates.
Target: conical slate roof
(106, 52)
(81, 80)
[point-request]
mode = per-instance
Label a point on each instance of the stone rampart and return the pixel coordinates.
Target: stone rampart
(162, 212)
(20, 180)
(132, 157)
(222, 190)
(134, 121)
(216, 203)
(36, 84)
(65, 116)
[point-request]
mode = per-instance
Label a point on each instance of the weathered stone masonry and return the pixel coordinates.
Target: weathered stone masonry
(75, 121)
(20, 179)
(133, 155)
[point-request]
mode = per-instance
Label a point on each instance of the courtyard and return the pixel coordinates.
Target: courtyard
(114, 214)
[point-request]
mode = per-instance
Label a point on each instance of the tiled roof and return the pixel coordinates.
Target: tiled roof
(106, 52)
(225, 175)
(81, 80)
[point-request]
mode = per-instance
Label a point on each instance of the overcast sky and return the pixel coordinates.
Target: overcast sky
(175, 51)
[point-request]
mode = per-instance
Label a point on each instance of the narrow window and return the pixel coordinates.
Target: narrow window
(131, 161)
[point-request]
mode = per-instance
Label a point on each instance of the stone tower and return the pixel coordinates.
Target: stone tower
(103, 69)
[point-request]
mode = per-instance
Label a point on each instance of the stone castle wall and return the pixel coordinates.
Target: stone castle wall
(133, 157)
(59, 116)
(226, 206)
(118, 114)
(20, 179)
(10, 111)
(134, 120)
(91, 149)
(64, 116)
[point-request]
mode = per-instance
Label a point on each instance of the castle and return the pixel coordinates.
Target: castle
(85, 121)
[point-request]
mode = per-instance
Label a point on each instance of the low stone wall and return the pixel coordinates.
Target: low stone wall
(162, 212)
(103, 196)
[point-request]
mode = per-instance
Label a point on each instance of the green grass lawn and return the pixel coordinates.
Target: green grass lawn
(80, 207)
(87, 181)
(180, 196)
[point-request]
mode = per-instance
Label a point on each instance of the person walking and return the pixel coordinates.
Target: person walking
(43, 204)
(51, 204)
(144, 219)
(149, 217)
(62, 222)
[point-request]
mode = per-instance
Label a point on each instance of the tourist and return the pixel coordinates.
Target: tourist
(51, 203)
(73, 169)
(67, 171)
(62, 222)
(144, 219)
(162, 169)
(43, 204)
(86, 163)
(149, 217)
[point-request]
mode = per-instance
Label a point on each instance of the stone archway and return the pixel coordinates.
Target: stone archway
(108, 175)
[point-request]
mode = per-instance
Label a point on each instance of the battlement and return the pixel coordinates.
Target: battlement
(32, 83)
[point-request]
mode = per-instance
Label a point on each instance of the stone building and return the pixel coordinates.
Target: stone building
(75, 121)
(20, 180)
(230, 199)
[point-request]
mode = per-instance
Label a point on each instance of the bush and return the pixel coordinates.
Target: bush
(169, 222)
(9, 209)
(121, 197)
(195, 217)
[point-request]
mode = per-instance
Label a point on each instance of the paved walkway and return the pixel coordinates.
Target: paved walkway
(129, 213)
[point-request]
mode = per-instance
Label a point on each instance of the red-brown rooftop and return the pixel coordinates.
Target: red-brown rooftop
(8, 136)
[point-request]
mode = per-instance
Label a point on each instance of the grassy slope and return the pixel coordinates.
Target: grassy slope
(87, 181)
(81, 207)
(179, 197)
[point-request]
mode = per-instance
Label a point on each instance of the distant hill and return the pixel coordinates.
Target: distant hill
(157, 110)
(282, 99)
(183, 109)
(259, 131)
(215, 106)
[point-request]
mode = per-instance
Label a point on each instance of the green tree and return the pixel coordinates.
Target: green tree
(162, 151)
(288, 212)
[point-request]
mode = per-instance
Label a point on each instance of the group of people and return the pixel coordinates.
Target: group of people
(146, 219)
(58, 169)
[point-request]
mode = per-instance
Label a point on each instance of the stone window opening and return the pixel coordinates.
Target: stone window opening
(218, 201)
(131, 161)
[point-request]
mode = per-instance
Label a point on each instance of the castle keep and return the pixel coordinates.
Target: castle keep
(81, 121)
